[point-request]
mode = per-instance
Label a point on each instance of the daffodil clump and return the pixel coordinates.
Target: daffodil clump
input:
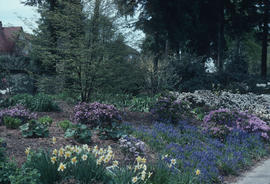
(140, 169)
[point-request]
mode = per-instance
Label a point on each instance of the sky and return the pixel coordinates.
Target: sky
(13, 13)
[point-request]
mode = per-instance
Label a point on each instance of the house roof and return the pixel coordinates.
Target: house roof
(8, 38)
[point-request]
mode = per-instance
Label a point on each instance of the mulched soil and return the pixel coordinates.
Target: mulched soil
(16, 144)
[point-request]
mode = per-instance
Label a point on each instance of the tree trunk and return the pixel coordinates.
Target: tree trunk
(221, 38)
(265, 39)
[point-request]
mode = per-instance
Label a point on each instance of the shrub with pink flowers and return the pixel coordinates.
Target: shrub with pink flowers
(96, 114)
(222, 121)
(18, 112)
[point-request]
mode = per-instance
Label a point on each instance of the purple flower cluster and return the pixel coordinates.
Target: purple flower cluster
(19, 112)
(95, 114)
(194, 149)
(222, 121)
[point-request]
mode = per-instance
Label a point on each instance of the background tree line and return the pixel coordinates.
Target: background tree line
(78, 48)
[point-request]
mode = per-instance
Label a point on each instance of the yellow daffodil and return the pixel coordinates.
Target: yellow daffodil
(99, 161)
(106, 160)
(27, 150)
(143, 160)
(144, 167)
(143, 175)
(74, 160)
(150, 174)
(134, 179)
(198, 172)
(115, 163)
(55, 152)
(67, 154)
(101, 151)
(61, 167)
(102, 158)
(173, 161)
(138, 159)
(53, 140)
(53, 160)
(61, 152)
(84, 157)
(85, 147)
(77, 149)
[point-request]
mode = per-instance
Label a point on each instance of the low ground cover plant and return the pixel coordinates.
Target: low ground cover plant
(12, 123)
(221, 122)
(34, 129)
(46, 120)
(194, 150)
(40, 102)
(80, 133)
(65, 124)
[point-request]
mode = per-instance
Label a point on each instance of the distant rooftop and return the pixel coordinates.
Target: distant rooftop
(8, 38)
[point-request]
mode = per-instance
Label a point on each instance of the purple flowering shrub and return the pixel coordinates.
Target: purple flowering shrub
(18, 112)
(222, 121)
(96, 114)
(168, 109)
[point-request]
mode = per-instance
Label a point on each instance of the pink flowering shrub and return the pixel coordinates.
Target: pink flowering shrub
(19, 112)
(96, 114)
(222, 121)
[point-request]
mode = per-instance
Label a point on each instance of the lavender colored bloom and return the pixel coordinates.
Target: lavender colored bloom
(19, 112)
(95, 113)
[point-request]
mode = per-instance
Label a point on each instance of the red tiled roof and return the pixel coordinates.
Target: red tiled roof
(8, 38)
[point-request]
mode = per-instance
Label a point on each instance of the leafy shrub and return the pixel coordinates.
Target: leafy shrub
(40, 102)
(222, 121)
(34, 129)
(140, 103)
(46, 120)
(43, 103)
(2, 150)
(80, 133)
(12, 123)
(168, 109)
(25, 176)
(96, 114)
(7, 169)
(65, 124)
(113, 132)
(19, 112)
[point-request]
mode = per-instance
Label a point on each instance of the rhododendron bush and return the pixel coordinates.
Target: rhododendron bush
(19, 112)
(96, 114)
(222, 121)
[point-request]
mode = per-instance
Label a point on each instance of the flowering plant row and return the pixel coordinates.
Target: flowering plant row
(223, 121)
(86, 165)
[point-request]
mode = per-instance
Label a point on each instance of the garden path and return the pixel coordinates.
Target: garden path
(258, 175)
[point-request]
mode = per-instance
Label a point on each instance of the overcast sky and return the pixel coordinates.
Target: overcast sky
(13, 13)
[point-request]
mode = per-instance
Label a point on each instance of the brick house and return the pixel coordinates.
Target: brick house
(14, 41)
